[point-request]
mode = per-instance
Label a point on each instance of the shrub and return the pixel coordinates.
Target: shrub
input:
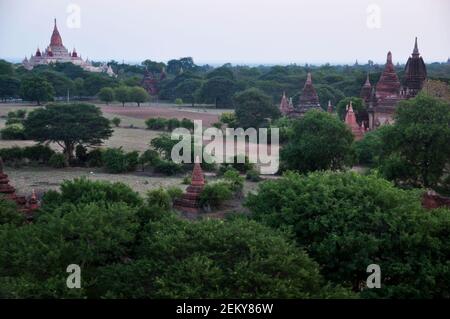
(235, 181)
(178, 101)
(168, 167)
(16, 117)
(149, 158)
(9, 213)
(173, 124)
(187, 180)
(253, 175)
(242, 167)
(132, 160)
(213, 195)
(57, 160)
(81, 153)
(117, 161)
(14, 131)
(156, 123)
(12, 154)
(82, 190)
(95, 158)
(159, 198)
(38, 153)
(116, 121)
(187, 123)
(174, 192)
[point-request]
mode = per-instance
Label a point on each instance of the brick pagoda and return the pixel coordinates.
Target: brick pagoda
(9, 193)
(189, 202)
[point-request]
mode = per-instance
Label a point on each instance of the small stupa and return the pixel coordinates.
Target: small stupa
(189, 202)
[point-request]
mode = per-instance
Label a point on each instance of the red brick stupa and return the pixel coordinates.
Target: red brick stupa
(350, 120)
(366, 90)
(415, 73)
(189, 202)
(285, 105)
(9, 193)
(309, 98)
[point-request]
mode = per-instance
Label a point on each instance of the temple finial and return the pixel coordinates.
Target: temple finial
(308, 78)
(389, 57)
(416, 48)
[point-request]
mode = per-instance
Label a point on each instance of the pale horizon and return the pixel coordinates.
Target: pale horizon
(240, 32)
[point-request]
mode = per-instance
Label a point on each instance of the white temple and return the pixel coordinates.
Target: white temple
(57, 52)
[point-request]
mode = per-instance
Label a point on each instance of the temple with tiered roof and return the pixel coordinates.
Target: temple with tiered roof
(56, 52)
(308, 100)
(384, 96)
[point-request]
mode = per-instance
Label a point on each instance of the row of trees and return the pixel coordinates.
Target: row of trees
(124, 94)
(204, 84)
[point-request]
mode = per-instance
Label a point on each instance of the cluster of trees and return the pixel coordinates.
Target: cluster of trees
(133, 247)
(124, 94)
(199, 84)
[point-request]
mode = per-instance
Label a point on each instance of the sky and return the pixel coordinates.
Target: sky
(235, 31)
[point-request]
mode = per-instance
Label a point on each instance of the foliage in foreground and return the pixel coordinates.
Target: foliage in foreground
(130, 248)
(347, 221)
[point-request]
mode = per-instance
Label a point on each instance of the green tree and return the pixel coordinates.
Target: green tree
(357, 104)
(420, 140)
(202, 260)
(106, 95)
(254, 109)
(347, 221)
(122, 94)
(36, 88)
(9, 87)
(138, 95)
(219, 91)
(68, 125)
(319, 141)
(187, 90)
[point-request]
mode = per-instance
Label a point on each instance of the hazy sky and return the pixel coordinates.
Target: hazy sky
(237, 31)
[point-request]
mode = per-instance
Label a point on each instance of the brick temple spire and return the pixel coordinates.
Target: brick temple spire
(56, 39)
(6, 189)
(350, 120)
(366, 89)
(189, 202)
(285, 105)
(330, 107)
(388, 87)
(309, 98)
(415, 73)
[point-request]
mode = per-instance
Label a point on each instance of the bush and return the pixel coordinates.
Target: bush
(16, 117)
(82, 190)
(235, 181)
(116, 121)
(159, 198)
(187, 123)
(81, 153)
(156, 123)
(9, 214)
(174, 192)
(168, 167)
(95, 158)
(57, 160)
(149, 158)
(116, 161)
(38, 153)
(173, 124)
(13, 132)
(178, 101)
(187, 180)
(213, 195)
(253, 176)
